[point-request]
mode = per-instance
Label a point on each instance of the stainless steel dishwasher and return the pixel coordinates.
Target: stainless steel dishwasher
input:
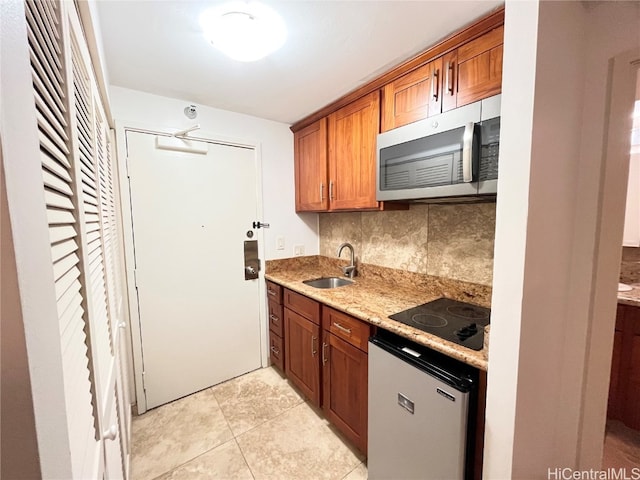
(419, 412)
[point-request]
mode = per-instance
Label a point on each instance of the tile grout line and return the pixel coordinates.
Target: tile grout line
(192, 459)
(246, 462)
(210, 449)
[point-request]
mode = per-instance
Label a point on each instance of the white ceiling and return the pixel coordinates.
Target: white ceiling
(332, 48)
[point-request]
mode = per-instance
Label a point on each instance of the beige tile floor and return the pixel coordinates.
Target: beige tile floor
(621, 447)
(258, 427)
(252, 427)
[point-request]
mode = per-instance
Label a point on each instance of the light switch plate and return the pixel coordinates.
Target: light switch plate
(298, 250)
(280, 243)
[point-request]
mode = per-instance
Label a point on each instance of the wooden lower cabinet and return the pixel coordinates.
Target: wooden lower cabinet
(624, 387)
(329, 364)
(344, 374)
(276, 325)
(302, 362)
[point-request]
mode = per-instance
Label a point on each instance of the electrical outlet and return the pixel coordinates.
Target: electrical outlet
(280, 243)
(298, 250)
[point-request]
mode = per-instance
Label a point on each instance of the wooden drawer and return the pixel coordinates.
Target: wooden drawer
(304, 306)
(276, 351)
(274, 292)
(346, 327)
(276, 320)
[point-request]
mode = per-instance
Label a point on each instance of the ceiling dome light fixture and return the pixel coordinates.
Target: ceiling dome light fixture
(244, 31)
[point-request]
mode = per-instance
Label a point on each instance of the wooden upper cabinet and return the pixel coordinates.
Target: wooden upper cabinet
(464, 75)
(310, 154)
(480, 67)
(352, 135)
(474, 70)
(412, 97)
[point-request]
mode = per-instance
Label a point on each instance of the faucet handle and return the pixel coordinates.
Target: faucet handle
(349, 271)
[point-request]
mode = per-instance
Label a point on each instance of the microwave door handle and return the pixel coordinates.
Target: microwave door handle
(467, 157)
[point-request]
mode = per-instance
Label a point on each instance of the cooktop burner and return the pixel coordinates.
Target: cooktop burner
(457, 322)
(427, 320)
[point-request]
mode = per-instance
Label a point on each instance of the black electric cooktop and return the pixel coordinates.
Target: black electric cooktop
(457, 322)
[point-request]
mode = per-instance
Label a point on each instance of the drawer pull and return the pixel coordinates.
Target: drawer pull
(340, 327)
(275, 350)
(273, 318)
(271, 292)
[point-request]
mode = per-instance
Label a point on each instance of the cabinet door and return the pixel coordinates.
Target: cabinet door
(630, 367)
(352, 154)
(480, 68)
(302, 362)
(310, 163)
(276, 351)
(614, 409)
(345, 388)
(412, 97)
(276, 323)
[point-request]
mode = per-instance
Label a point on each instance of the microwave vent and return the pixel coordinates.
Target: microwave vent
(439, 174)
(397, 180)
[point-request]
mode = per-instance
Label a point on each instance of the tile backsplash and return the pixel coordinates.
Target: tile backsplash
(451, 241)
(630, 267)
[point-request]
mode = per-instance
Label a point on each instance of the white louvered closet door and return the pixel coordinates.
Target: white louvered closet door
(78, 181)
(95, 191)
(49, 73)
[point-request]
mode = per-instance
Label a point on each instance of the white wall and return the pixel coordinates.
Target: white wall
(558, 237)
(130, 107)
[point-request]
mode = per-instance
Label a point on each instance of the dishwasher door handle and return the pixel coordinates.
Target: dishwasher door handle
(405, 403)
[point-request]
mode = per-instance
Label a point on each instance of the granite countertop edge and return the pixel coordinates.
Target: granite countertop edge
(353, 298)
(631, 297)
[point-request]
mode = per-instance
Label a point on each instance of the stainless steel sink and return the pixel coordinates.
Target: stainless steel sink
(328, 282)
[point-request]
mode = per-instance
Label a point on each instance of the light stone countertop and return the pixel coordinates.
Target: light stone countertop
(632, 297)
(374, 296)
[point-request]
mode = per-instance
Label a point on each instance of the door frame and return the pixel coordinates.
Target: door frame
(122, 127)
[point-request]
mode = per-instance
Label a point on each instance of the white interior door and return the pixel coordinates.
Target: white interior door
(199, 317)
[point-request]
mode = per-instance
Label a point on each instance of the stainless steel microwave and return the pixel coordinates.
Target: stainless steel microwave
(451, 155)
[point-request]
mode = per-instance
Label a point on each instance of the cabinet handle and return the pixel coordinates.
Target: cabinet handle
(275, 350)
(324, 354)
(273, 318)
(330, 189)
(450, 75)
(271, 292)
(435, 78)
(322, 191)
(314, 352)
(111, 433)
(340, 327)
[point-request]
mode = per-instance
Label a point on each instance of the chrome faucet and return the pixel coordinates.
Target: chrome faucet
(349, 270)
